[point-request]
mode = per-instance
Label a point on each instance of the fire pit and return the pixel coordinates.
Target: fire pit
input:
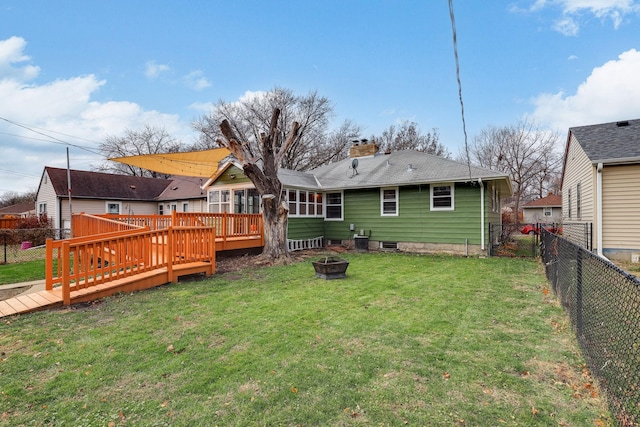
(331, 268)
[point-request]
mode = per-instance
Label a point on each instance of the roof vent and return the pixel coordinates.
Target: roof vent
(388, 163)
(133, 187)
(622, 123)
(410, 168)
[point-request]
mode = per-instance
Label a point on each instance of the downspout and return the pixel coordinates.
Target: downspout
(599, 210)
(481, 214)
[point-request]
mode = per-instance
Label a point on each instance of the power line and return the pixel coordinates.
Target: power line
(17, 173)
(52, 139)
(455, 54)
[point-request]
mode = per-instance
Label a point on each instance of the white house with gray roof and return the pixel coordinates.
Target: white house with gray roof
(405, 200)
(601, 185)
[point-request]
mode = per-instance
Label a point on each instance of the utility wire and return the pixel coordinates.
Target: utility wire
(455, 54)
(52, 139)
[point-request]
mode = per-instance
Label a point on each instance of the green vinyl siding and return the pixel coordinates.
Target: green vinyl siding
(226, 178)
(415, 221)
(305, 228)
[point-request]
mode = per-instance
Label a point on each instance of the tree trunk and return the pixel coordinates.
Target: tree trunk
(275, 229)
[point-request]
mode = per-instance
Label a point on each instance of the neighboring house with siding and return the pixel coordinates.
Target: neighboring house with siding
(546, 209)
(406, 200)
(100, 193)
(19, 210)
(601, 185)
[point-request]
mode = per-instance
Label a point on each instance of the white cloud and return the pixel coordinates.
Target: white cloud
(610, 93)
(567, 27)
(571, 10)
(202, 107)
(196, 80)
(10, 55)
(153, 70)
(65, 110)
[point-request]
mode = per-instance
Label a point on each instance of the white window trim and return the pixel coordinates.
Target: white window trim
(547, 211)
(453, 199)
(107, 203)
(396, 200)
(318, 210)
(231, 189)
(326, 205)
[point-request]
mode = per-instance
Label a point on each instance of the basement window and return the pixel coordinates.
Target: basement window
(389, 245)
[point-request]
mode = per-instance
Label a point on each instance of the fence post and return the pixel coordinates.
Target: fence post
(579, 292)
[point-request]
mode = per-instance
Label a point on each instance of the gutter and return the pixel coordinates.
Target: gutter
(599, 210)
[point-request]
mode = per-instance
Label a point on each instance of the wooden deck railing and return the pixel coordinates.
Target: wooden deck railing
(92, 225)
(91, 261)
(227, 225)
(152, 222)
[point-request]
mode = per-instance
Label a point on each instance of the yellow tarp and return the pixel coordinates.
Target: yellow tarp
(201, 164)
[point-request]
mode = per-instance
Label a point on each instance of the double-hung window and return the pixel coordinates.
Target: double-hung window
(333, 207)
(442, 197)
(389, 201)
(219, 201)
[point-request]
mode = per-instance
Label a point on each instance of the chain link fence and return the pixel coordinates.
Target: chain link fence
(603, 303)
(20, 245)
(579, 233)
(507, 240)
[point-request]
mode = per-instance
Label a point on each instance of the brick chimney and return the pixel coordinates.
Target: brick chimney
(362, 148)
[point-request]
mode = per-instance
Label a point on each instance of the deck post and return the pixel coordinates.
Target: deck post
(212, 248)
(171, 254)
(48, 265)
(225, 230)
(66, 262)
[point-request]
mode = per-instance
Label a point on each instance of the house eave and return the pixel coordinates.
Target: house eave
(618, 161)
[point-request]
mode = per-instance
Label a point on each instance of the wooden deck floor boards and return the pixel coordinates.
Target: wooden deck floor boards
(43, 300)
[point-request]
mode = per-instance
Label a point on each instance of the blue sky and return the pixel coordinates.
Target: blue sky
(77, 71)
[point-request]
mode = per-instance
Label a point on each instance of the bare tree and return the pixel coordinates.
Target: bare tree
(524, 151)
(148, 140)
(260, 164)
(13, 198)
(407, 136)
(314, 144)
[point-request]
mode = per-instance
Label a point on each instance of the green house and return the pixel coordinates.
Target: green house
(404, 200)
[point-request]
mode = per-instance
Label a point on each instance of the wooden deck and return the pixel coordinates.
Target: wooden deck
(46, 299)
(133, 258)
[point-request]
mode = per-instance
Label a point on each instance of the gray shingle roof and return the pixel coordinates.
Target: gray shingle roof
(293, 179)
(97, 185)
(183, 188)
(393, 169)
(609, 142)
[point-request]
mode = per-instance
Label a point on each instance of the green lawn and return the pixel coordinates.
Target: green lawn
(403, 340)
(22, 272)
